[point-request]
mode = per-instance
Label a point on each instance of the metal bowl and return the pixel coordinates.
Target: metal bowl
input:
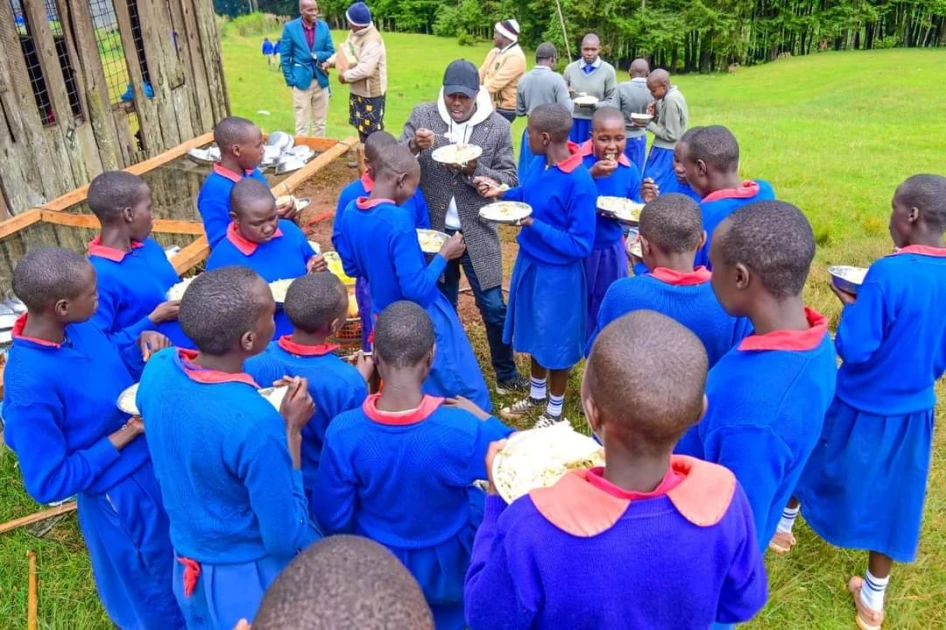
(288, 164)
(302, 152)
(280, 139)
(200, 156)
(848, 279)
(271, 153)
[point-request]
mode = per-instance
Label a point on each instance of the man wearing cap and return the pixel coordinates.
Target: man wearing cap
(540, 86)
(504, 66)
(305, 46)
(362, 64)
(463, 114)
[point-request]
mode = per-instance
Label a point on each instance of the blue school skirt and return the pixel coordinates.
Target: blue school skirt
(126, 533)
(525, 155)
(547, 316)
(363, 299)
(602, 267)
(865, 483)
(636, 151)
(659, 167)
(581, 130)
(455, 371)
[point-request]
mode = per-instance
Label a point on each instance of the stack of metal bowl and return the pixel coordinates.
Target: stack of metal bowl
(279, 153)
(10, 310)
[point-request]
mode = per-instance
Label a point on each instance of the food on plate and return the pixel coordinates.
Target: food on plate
(505, 211)
(335, 267)
(584, 100)
(641, 118)
(274, 395)
(456, 153)
(177, 291)
(621, 207)
(431, 240)
(279, 288)
(127, 402)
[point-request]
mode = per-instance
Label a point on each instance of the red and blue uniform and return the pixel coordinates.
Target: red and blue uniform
(213, 201)
(718, 206)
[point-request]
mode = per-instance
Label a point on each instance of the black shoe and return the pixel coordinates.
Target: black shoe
(518, 384)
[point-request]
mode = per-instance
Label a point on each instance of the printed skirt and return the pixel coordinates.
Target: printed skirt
(366, 114)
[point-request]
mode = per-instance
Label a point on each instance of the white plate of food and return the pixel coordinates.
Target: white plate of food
(509, 212)
(300, 204)
(621, 208)
(847, 278)
(584, 100)
(431, 240)
(274, 395)
(634, 245)
(641, 118)
(127, 402)
(457, 154)
(177, 291)
(538, 458)
(279, 289)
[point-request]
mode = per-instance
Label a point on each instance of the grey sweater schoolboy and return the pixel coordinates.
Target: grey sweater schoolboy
(601, 83)
(541, 86)
(670, 119)
(633, 97)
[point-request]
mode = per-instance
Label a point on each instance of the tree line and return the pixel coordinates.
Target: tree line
(683, 35)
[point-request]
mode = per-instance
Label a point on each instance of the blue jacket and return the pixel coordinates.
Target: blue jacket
(298, 66)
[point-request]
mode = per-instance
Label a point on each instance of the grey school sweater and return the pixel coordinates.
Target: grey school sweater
(670, 119)
(541, 86)
(601, 83)
(633, 97)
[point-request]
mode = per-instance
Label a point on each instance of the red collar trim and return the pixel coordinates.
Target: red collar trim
(588, 148)
(209, 377)
(109, 253)
(428, 405)
(243, 244)
(670, 481)
(366, 203)
(700, 275)
(748, 189)
(570, 164)
(286, 343)
(231, 175)
(367, 182)
(922, 250)
(17, 334)
(800, 340)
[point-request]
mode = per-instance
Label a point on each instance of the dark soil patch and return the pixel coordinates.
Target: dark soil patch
(323, 190)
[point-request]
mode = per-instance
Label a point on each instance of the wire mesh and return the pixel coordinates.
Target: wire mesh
(109, 42)
(65, 62)
(139, 41)
(33, 68)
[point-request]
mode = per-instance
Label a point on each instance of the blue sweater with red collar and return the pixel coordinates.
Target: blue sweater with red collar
(563, 199)
(681, 188)
(625, 181)
(285, 256)
(416, 206)
(222, 462)
(716, 208)
(213, 202)
(59, 407)
(895, 327)
(685, 298)
(767, 402)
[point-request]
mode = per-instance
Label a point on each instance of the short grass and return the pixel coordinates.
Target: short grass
(834, 133)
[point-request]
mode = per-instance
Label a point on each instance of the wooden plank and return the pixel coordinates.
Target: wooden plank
(187, 91)
(213, 58)
(191, 256)
(190, 40)
(156, 41)
(161, 226)
(19, 222)
(63, 508)
(65, 19)
(316, 144)
(152, 141)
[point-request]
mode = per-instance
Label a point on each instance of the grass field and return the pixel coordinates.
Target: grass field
(834, 133)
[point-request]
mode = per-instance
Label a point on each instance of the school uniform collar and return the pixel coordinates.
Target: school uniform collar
(700, 275)
(595, 65)
(110, 253)
(428, 405)
(576, 159)
(367, 182)
(588, 148)
(747, 190)
(922, 250)
(541, 67)
(366, 203)
(243, 244)
(17, 334)
(639, 80)
(286, 343)
(231, 175)
(671, 480)
(209, 377)
(797, 340)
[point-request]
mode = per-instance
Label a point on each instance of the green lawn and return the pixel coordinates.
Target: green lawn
(835, 133)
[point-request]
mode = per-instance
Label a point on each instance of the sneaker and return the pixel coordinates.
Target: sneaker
(521, 408)
(547, 420)
(867, 618)
(782, 542)
(518, 384)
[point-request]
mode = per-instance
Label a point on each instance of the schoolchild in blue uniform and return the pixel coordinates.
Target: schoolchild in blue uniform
(768, 396)
(134, 274)
(400, 469)
(60, 417)
(614, 176)
(362, 187)
(671, 232)
(316, 305)
(257, 238)
(865, 484)
(378, 241)
(678, 184)
(711, 163)
(548, 292)
(228, 463)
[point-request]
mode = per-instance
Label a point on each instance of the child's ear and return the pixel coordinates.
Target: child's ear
(430, 356)
(337, 324)
(61, 308)
(742, 276)
(702, 240)
(236, 150)
(247, 341)
(645, 246)
(592, 414)
(914, 215)
(399, 182)
(701, 167)
(234, 217)
(128, 215)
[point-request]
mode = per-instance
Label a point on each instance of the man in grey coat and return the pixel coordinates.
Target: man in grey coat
(463, 114)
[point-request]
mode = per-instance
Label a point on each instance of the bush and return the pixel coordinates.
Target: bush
(254, 24)
(447, 21)
(465, 39)
(222, 24)
(891, 41)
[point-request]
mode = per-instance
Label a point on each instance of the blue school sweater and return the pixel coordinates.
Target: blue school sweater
(221, 459)
(681, 188)
(767, 402)
(623, 182)
(416, 206)
(402, 479)
(335, 386)
(893, 338)
(563, 200)
(284, 256)
(59, 407)
(716, 208)
(685, 298)
(131, 284)
(213, 202)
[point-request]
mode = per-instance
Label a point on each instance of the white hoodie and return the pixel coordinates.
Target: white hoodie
(460, 134)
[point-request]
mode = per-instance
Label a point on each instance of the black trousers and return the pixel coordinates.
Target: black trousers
(508, 114)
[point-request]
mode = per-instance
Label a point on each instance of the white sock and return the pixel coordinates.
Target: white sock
(537, 388)
(787, 522)
(872, 594)
(555, 405)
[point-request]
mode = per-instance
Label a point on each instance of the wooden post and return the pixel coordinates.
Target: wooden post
(32, 605)
(148, 123)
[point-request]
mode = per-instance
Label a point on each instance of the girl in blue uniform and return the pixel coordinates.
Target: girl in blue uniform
(60, 415)
(548, 292)
(865, 484)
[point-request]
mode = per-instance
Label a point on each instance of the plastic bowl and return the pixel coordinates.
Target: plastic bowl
(847, 278)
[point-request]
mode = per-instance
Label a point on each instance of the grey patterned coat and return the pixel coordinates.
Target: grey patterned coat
(439, 185)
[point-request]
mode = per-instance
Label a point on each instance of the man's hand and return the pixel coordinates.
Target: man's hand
(603, 168)
(423, 140)
(488, 187)
(341, 78)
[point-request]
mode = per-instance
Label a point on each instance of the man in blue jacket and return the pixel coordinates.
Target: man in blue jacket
(306, 44)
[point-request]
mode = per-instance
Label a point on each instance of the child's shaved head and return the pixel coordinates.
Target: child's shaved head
(250, 193)
(716, 146)
(646, 375)
(314, 301)
(607, 115)
(774, 240)
(49, 274)
(553, 119)
(403, 335)
(234, 130)
(343, 583)
(222, 305)
(395, 159)
(113, 191)
(926, 193)
(377, 141)
(673, 223)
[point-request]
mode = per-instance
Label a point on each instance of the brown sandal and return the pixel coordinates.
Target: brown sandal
(867, 618)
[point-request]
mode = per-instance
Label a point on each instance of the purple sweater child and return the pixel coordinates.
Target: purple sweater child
(585, 554)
